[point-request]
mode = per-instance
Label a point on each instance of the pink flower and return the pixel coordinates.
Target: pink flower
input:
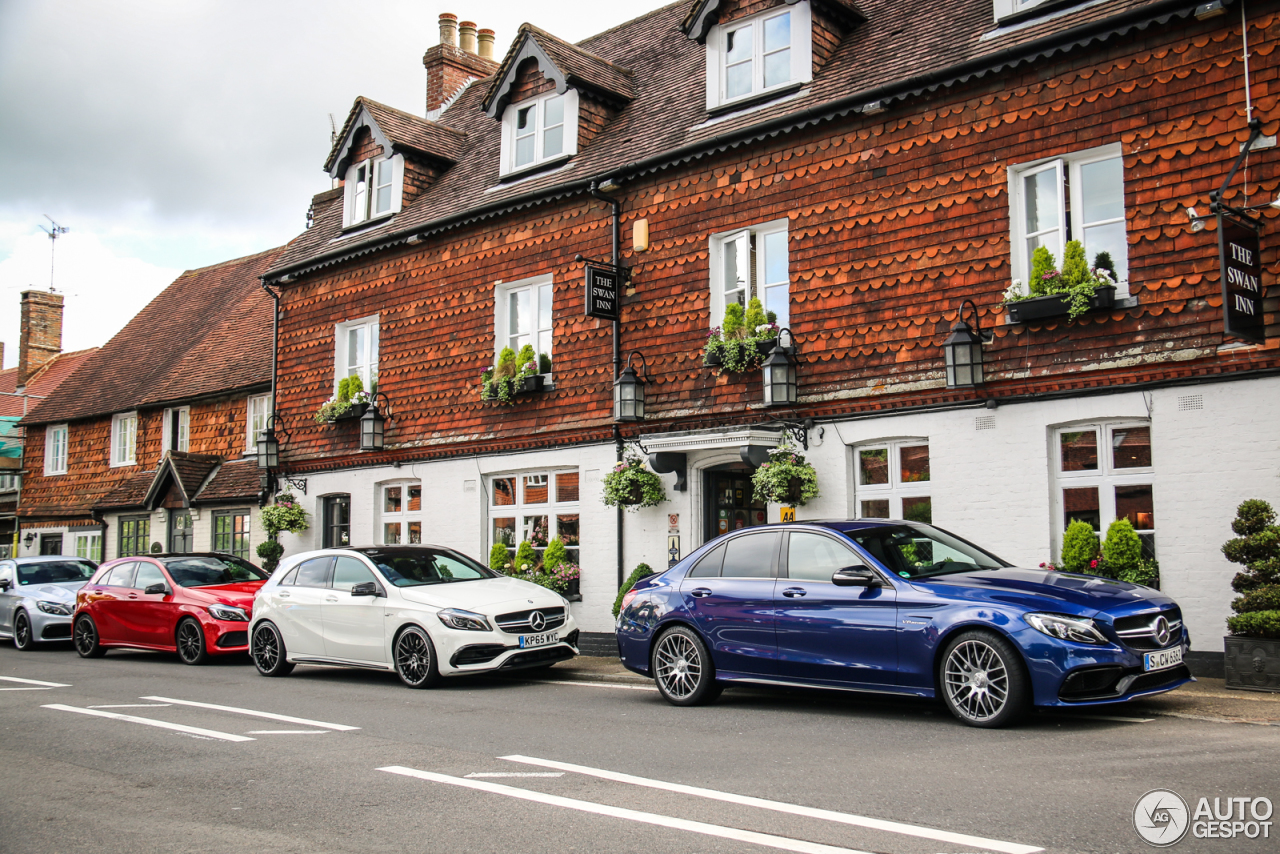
(1093, 564)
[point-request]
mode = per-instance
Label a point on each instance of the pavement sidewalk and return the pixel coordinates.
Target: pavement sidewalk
(1206, 699)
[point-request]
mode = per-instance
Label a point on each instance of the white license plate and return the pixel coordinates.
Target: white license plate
(1162, 659)
(543, 639)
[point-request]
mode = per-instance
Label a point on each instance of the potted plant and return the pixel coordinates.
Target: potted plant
(350, 401)
(1071, 291)
(1253, 648)
(786, 478)
(1080, 547)
(632, 485)
(286, 514)
(741, 343)
(514, 374)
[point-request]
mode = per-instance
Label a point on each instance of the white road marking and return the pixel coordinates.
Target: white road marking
(287, 731)
(26, 689)
(477, 775)
(793, 809)
(765, 839)
(134, 706)
(34, 682)
(591, 684)
(189, 730)
(268, 715)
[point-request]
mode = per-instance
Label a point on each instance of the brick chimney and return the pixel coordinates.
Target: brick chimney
(449, 66)
(41, 332)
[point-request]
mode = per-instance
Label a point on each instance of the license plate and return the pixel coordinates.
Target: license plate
(1162, 659)
(543, 639)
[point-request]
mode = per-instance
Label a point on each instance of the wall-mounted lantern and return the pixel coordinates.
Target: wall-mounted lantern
(779, 372)
(628, 391)
(963, 350)
(372, 424)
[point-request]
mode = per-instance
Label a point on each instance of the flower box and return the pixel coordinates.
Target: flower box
(531, 384)
(355, 412)
(1252, 664)
(574, 593)
(764, 346)
(1057, 305)
(712, 359)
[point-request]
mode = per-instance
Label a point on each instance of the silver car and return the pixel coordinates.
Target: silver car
(38, 595)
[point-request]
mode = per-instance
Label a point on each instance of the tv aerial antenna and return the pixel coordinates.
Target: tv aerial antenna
(54, 231)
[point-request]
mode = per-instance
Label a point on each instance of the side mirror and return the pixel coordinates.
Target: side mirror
(5, 584)
(156, 588)
(855, 576)
(366, 588)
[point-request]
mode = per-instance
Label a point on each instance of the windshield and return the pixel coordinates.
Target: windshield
(207, 571)
(410, 567)
(54, 571)
(921, 551)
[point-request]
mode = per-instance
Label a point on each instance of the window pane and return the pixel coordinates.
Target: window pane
(915, 463)
(737, 80)
(553, 141)
(1041, 199)
(355, 348)
(553, 111)
(750, 556)
(1110, 239)
(504, 531)
(348, 572)
(523, 117)
(567, 486)
(777, 32)
(504, 491)
(391, 502)
(737, 45)
(709, 565)
(778, 300)
(918, 509)
(873, 466)
(544, 343)
(736, 255)
(777, 68)
(1135, 504)
(544, 306)
(535, 531)
(567, 530)
(775, 257)
(415, 498)
(415, 532)
(382, 202)
(391, 533)
(535, 489)
(878, 509)
(1081, 504)
(521, 311)
(1080, 450)
(1131, 447)
(813, 557)
(524, 151)
(1102, 190)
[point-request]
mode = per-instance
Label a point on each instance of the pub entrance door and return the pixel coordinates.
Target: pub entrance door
(728, 502)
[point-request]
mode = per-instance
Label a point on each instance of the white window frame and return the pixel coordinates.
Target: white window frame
(124, 439)
(1105, 478)
(360, 205)
(508, 166)
(182, 442)
(402, 517)
(368, 367)
(896, 489)
(501, 315)
(88, 545)
(1007, 8)
(55, 463)
(719, 245)
(252, 426)
(1070, 224)
(801, 53)
(552, 509)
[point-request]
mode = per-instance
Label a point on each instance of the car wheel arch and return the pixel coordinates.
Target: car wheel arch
(666, 625)
(970, 625)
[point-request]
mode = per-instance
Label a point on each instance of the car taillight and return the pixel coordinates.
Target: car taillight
(626, 599)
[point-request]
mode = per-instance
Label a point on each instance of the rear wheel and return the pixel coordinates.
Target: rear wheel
(683, 670)
(191, 647)
(416, 659)
(268, 652)
(22, 637)
(85, 637)
(983, 680)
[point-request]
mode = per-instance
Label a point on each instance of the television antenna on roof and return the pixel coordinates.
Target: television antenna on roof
(54, 232)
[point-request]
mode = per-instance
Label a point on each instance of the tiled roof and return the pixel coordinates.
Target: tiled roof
(702, 14)
(190, 471)
(401, 130)
(898, 50)
(208, 332)
(233, 481)
(577, 66)
(42, 384)
(130, 492)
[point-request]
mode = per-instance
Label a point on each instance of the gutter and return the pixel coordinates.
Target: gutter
(855, 103)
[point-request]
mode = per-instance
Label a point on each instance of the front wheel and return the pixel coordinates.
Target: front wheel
(191, 647)
(85, 637)
(683, 670)
(983, 680)
(415, 658)
(22, 637)
(266, 647)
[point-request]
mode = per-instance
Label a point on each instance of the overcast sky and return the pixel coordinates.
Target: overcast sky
(172, 135)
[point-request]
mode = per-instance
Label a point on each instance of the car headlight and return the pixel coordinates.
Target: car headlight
(229, 612)
(1078, 629)
(55, 608)
(466, 621)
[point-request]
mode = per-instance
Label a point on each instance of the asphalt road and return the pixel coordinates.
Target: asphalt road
(355, 762)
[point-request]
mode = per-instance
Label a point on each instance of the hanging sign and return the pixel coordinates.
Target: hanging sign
(1240, 258)
(602, 292)
(673, 551)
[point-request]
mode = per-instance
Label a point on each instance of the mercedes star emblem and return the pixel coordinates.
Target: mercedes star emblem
(1160, 628)
(537, 622)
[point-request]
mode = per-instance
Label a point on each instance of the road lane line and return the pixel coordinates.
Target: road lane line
(478, 775)
(288, 731)
(26, 689)
(134, 706)
(779, 806)
(189, 730)
(34, 682)
(268, 715)
(781, 842)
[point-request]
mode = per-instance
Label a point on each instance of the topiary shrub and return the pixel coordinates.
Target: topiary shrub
(1042, 262)
(1079, 547)
(1122, 550)
(1075, 269)
(506, 367)
(1257, 548)
(527, 357)
(641, 571)
(526, 559)
(499, 558)
(734, 321)
(755, 315)
(270, 552)
(554, 556)
(1102, 261)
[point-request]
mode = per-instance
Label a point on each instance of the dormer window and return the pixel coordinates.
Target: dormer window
(371, 189)
(760, 55)
(539, 130)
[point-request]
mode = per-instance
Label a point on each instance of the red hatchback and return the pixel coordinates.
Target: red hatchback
(195, 604)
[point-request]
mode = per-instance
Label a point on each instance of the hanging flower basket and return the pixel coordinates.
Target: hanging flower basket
(631, 485)
(786, 478)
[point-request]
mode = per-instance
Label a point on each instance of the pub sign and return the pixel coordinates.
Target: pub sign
(602, 292)
(1240, 257)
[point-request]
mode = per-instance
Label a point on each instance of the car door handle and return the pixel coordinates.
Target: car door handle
(133, 595)
(699, 592)
(333, 599)
(794, 592)
(283, 595)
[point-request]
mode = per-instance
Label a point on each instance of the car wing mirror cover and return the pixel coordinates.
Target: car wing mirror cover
(855, 576)
(156, 588)
(366, 588)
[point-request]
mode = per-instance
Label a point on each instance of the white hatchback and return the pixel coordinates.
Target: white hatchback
(421, 611)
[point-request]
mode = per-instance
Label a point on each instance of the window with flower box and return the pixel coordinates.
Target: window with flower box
(1104, 472)
(401, 513)
(891, 480)
(535, 506)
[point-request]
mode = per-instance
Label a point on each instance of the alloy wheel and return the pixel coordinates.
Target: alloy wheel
(85, 637)
(977, 680)
(265, 648)
(21, 631)
(191, 642)
(679, 665)
(414, 658)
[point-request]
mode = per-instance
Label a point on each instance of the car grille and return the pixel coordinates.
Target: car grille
(477, 654)
(234, 639)
(1091, 683)
(518, 622)
(56, 631)
(1159, 679)
(1138, 632)
(538, 657)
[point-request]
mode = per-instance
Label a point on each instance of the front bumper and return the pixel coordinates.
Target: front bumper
(49, 627)
(1072, 674)
(483, 652)
(223, 637)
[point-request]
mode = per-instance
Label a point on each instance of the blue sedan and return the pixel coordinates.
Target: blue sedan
(897, 608)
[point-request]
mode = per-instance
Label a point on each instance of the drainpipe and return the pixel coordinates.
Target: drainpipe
(275, 338)
(102, 540)
(616, 207)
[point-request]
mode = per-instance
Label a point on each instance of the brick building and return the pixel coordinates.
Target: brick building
(149, 444)
(860, 169)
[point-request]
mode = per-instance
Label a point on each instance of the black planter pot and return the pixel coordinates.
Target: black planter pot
(1058, 305)
(533, 384)
(711, 358)
(352, 414)
(764, 348)
(574, 593)
(1252, 664)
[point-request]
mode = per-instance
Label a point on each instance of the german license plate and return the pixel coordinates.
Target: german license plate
(1162, 659)
(543, 639)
